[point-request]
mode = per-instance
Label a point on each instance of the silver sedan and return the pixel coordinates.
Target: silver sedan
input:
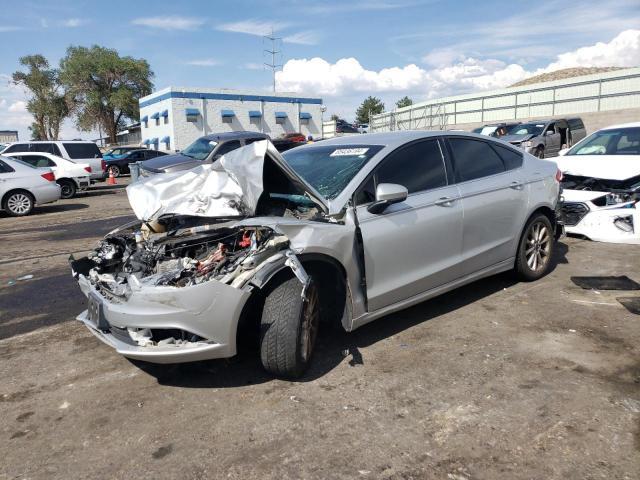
(345, 230)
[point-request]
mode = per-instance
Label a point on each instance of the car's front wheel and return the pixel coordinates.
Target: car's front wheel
(539, 152)
(535, 250)
(289, 328)
(18, 204)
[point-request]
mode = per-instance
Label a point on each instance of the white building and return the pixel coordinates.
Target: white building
(172, 118)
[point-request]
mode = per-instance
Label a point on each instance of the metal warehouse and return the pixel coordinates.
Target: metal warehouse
(599, 99)
(172, 118)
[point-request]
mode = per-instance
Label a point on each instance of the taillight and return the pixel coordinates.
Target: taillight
(88, 169)
(558, 175)
(103, 165)
(49, 176)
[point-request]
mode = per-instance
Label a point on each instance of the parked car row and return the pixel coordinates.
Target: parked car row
(23, 186)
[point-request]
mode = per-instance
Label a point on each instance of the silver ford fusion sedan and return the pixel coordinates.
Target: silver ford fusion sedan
(345, 230)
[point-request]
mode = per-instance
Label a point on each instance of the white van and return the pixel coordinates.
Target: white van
(78, 151)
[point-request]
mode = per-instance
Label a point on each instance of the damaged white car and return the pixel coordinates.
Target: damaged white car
(346, 230)
(601, 185)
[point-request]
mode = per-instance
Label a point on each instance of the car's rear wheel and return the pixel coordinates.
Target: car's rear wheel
(113, 170)
(18, 204)
(289, 328)
(535, 250)
(67, 188)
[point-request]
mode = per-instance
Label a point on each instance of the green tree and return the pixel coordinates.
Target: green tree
(36, 133)
(105, 87)
(370, 106)
(404, 102)
(48, 102)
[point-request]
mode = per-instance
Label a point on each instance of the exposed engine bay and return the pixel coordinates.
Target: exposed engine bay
(619, 190)
(182, 256)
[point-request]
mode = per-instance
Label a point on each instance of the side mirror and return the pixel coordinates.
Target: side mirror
(387, 194)
(549, 132)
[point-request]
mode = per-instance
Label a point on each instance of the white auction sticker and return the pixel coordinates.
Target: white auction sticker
(343, 152)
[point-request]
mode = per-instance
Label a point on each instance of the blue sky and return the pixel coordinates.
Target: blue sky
(341, 51)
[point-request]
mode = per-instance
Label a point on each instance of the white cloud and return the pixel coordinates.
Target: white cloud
(622, 51)
(169, 22)
(18, 106)
(253, 27)
(3, 103)
(346, 80)
(73, 22)
(359, 6)
(253, 66)
(9, 28)
(44, 23)
(302, 38)
(204, 62)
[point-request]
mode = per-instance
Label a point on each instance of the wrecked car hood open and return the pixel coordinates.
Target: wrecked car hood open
(230, 187)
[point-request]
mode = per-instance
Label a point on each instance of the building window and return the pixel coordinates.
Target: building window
(166, 119)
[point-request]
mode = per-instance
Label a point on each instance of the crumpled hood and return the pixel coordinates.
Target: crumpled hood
(517, 138)
(228, 187)
(608, 167)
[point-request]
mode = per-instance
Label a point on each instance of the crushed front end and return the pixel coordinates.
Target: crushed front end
(602, 210)
(173, 290)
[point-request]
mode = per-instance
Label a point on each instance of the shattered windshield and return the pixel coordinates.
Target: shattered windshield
(619, 141)
(200, 149)
(329, 168)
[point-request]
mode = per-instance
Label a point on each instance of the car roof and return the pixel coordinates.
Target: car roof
(224, 136)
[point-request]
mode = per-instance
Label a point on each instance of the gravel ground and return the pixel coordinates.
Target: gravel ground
(494, 380)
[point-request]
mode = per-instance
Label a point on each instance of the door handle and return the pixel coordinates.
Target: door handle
(516, 185)
(445, 201)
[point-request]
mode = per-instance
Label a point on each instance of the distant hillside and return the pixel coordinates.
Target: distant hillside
(564, 73)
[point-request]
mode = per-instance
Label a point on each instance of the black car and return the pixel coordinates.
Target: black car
(204, 150)
(118, 166)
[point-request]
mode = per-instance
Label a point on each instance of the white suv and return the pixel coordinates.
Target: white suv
(76, 150)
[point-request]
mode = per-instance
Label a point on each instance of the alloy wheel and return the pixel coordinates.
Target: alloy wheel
(114, 170)
(538, 247)
(19, 203)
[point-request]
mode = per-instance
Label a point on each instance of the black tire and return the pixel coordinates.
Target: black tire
(18, 203)
(535, 251)
(539, 152)
(68, 189)
(289, 328)
(115, 169)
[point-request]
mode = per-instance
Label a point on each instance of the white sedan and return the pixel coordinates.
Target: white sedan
(23, 186)
(601, 185)
(71, 176)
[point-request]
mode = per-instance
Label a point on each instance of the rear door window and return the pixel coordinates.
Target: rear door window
(45, 148)
(82, 150)
(474, 159)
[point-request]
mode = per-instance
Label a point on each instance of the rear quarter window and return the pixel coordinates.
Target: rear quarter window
(18, 147)
(82, 150)
(575, 123)
(511, 158)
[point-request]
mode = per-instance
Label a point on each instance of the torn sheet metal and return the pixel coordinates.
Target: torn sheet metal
(226, 188)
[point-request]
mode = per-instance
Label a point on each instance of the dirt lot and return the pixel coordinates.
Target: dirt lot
(495, 380)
